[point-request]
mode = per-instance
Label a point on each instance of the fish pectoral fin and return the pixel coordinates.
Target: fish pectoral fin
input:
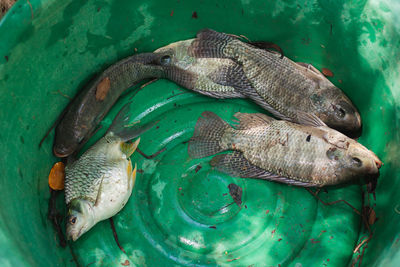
(309, 119)
(250, 120)
(234, 76)
(98, 197)
(209, 44)
(236, 164)
(129, 148)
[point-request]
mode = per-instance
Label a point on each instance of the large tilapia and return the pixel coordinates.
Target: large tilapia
(100, 182)
(282, 151)
(222, 66)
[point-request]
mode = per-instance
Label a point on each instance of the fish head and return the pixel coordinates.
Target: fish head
(64, 149)
(175, 55)
(67, 140)
(336, 109)
(79, 219)
(355, 161)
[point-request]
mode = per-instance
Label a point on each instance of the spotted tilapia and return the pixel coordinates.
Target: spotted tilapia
(282, 151)
(100, 182)
(222, 66)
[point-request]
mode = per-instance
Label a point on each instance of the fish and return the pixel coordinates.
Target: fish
(222, 66)
(277, 150)
(79, 120)
(100, 182)
(197, 74)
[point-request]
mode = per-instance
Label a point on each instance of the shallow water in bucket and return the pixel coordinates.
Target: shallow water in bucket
(179, 212)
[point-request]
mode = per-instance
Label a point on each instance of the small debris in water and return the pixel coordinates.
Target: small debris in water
(194, 15)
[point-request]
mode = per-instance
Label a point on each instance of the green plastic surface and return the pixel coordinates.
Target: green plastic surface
(178, 213)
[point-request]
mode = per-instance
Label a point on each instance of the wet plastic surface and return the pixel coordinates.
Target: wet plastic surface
(181, 212)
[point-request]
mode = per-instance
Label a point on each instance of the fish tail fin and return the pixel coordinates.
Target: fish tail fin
(125, 130)
(209, 43)
(207, 135)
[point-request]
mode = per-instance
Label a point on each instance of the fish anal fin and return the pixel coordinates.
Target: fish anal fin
(250, 120)
(132, 175)
(236, 164)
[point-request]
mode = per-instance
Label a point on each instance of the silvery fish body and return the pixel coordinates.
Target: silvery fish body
(282, 151)
(222, 66)
(98, 184)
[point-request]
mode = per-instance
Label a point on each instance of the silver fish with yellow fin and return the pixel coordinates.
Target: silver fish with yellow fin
(282, 151)
(100, 182)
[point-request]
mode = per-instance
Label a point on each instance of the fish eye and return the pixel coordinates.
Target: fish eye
(339, 111)
(356, 161)
(72, 220)
(165, 60)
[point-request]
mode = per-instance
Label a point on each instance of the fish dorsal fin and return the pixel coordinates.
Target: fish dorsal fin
(250, 120)
(209, 43)
(309, 119)
(267, 47)
(236, 164)
(129, 148)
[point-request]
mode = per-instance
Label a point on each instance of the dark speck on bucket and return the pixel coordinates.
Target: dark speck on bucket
(6, 57)
(194, 15)
(198, 168)
(236, 193)
(213, 227)
(22, 139)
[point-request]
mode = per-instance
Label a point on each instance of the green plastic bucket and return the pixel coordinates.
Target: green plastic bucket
(180, 212)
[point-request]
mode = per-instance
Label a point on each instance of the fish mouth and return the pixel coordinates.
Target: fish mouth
(74, 235)
(59, 153)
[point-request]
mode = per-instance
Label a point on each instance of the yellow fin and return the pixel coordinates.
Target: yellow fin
(128, 149)
(134, 175)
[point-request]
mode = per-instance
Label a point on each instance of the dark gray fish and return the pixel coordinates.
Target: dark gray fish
(81, 117)
(292, 91)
